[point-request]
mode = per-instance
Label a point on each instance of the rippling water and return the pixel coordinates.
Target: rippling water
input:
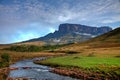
(36, 72)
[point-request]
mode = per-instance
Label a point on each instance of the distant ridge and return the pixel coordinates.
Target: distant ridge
(112, 36)
(70, 33)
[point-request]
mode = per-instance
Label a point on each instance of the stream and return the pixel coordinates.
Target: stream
(35, 71)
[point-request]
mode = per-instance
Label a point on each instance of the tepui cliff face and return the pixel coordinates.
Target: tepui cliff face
(68, 33)
(66, 28)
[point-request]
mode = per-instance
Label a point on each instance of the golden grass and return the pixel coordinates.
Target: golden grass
(36, 43)
(97, 49)
(16, 56)
(4, 46)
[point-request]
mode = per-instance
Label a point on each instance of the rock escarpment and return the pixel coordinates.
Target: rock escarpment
(70, 33)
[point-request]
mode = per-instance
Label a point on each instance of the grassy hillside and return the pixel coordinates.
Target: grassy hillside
(112, 36)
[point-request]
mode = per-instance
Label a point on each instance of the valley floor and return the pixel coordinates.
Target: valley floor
(84, 62)
(91, 64)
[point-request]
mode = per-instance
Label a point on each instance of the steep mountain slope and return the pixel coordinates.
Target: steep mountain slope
(69, 33)
(108, 40)
(112, 36)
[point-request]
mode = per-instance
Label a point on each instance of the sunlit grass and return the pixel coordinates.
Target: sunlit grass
(83, 61)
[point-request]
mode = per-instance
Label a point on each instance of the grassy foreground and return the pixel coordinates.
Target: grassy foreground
(85, 62)
(95, 67)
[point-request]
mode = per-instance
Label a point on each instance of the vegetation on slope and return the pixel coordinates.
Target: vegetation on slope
(34, 48)
(112, 36)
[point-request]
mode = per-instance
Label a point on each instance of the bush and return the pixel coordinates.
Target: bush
(1, 64)
(71, 52)
(5, 57)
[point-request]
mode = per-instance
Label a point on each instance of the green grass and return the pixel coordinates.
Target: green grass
(85, 62)
(105, 66)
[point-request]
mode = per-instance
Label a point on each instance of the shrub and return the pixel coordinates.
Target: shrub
(71, 52)
(1, 64)
(118, 56)
(5, 57)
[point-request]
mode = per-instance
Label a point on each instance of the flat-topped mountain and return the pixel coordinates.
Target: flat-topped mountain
(71, 28)
(69, 33)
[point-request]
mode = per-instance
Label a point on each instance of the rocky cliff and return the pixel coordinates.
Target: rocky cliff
(68, 33)
(66, 28)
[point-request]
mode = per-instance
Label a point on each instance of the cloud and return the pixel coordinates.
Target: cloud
(107, 21)
(113, 19)
(33, 18)
(30, 11)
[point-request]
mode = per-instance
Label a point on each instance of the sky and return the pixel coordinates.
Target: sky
(22, 20)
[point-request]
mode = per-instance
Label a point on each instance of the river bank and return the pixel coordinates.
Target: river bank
(86, 68)
(83, 74)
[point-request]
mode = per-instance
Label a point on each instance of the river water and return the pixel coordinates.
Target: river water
(36, 72)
